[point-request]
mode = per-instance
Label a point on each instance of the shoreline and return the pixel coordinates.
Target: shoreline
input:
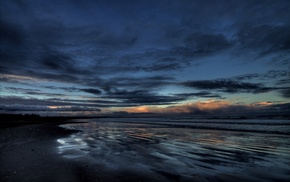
(29, 153)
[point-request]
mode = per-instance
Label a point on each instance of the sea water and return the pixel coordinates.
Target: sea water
(248, 149)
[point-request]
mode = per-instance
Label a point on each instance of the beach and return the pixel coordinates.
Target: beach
(29, 153)
(114, 150)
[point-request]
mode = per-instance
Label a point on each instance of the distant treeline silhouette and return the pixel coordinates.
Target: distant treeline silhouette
(19, 117)
(13, 120)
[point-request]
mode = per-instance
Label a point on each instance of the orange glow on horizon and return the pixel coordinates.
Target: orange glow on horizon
(203, 106)
(139, 109)
(53, 107)
(261, 104)
(182, 108)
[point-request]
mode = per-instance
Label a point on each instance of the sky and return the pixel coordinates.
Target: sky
(197, 57)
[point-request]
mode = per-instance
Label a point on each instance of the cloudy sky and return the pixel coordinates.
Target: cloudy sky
(98, 57)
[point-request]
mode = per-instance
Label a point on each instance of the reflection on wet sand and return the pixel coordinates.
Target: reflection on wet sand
(180, 151)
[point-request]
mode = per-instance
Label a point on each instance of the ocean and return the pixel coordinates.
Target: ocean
(251, 150)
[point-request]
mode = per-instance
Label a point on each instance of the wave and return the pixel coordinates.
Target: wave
(258, 126)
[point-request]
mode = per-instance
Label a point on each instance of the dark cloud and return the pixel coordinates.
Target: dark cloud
(207, 43)
(265, 38)
(91, 91)
(272, 74)
(30, 101)
(133, 42)
(151, 82)
(202, 94)
(58, 77)
(163, 67)
(11, 34)
(124, 54)
(56, 62)
(283, 82)
(140, 97)
(145, 97)
(35, 93)
(32, 92)
(247, 83)
(112, 98)
(224, 108)
(17, 107)
(76, 108)
(285, 93)
(32, 104)
(228, 86)
(20, 90)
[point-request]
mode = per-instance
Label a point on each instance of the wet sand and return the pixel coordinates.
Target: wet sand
(31, 152)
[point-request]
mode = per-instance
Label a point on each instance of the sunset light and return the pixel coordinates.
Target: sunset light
(144, 90)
